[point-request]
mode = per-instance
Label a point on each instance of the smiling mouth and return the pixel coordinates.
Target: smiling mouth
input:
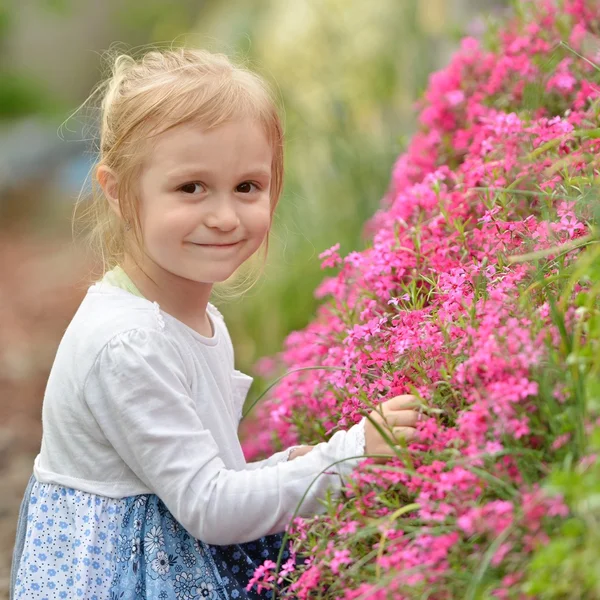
(217, 245)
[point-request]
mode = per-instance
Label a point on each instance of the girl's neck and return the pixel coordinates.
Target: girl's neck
(183, 299)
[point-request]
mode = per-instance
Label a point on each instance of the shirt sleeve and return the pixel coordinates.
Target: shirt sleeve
(358, 439)
(272, 460)
(138, 393)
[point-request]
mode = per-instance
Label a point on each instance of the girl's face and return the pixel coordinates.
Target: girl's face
(204, 199)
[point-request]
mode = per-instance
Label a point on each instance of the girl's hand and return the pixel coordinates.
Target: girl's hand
(300, 451)
(397, 414)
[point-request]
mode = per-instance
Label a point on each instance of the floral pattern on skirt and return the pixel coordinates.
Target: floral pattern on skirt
(80, 545)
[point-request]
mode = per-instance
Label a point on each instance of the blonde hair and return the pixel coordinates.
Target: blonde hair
(148, 96)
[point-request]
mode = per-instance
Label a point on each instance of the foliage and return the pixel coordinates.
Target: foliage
(19, 95)
(480, 294)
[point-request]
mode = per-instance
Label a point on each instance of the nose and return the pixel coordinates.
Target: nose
(222, 215)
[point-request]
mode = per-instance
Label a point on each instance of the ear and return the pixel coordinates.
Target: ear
(110, 186)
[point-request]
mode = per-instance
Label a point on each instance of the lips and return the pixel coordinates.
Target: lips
(217, 245)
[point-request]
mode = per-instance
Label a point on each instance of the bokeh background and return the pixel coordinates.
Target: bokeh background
(348, 73)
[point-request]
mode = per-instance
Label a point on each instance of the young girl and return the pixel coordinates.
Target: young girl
(140, 489)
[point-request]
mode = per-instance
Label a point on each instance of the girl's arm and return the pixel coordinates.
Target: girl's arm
(138, 393)
(299, 451)
(285, 455)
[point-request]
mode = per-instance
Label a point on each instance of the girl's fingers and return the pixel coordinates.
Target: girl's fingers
(407, 433)
(401, 402)
(402, 418)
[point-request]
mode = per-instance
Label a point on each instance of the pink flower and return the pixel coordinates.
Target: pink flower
(349, 528)
(288, 567)
(560, 441)
(262, 576)
(455, 97)
(330, 257)
(340, 558)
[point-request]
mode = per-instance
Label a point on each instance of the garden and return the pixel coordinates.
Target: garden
(478, 292)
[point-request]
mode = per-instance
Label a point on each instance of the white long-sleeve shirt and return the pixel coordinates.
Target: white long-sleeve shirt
(138, 402)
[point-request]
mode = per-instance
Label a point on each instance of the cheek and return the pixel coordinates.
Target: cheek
(259, 219)
(163, 224)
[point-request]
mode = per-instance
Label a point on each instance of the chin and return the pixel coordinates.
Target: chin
(211, 278)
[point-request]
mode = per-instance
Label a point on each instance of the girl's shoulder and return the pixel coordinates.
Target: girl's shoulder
(109, 308)
(214, 311)
(111, 319)
(113, 298)
(113, 324)
(106, 313)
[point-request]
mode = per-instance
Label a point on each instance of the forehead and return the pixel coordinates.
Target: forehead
(233, 144)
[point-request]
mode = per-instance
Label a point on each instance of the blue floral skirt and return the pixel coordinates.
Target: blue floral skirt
(72, 544)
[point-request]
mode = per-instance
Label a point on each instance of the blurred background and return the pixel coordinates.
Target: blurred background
(348, 73)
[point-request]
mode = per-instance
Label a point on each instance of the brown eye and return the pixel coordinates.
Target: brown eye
(190, 188)
(246, 187)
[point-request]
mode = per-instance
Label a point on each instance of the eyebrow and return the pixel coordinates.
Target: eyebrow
(194, 173)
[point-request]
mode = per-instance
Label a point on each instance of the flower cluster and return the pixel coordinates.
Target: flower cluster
(455, 301)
